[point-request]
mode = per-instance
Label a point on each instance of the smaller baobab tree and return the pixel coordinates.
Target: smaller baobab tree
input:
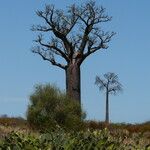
(110, 85)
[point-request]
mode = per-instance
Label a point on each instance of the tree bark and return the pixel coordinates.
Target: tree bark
(107, 107)
(73, 81)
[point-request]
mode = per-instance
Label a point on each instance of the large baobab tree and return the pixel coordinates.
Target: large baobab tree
(67, 38)
(110, 85)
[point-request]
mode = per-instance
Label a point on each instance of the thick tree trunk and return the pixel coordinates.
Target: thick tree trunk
(73, 81)
(107, 108)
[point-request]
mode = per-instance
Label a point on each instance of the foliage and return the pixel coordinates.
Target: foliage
(49, 107)
(19, 141)
(83, 140)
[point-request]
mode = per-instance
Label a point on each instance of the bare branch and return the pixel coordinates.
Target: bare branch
(41, 28)
(44, 56)
(110, 83)
(76, 29)
(100, 83)
(100, 42)
(114, 85)
(47, 15)
(52, 47)
(57, 24)
(115, 89)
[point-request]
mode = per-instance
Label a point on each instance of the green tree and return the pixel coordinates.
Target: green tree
(110, 85)
(67, 38)
(50, 107)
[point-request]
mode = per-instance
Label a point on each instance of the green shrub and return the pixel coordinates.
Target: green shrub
(61, 140)
(49, 107)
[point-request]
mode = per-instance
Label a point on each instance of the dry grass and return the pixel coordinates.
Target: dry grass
(8, 125)
(131, 128)
(12, 121)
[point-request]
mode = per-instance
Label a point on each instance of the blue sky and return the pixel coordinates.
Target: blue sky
(128, 56)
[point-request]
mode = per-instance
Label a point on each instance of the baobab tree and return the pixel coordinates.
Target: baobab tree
(110, 85)
(67, 38)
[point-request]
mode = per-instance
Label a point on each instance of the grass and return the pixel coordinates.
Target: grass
(131, 128)
(136, 135)
(10, 123)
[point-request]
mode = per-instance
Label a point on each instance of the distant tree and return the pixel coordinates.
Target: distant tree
(110, 85)
(68, 37)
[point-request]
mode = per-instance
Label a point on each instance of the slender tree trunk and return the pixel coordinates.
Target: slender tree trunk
(107, 107)
(73, 81)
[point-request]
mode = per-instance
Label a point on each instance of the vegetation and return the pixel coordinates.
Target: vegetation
(49, 107)
(110, 85)
(13, 121)
(95, 136)
(59, 139)
(54, 122)
(8, 125)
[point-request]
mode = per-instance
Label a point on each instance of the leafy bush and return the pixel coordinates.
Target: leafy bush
(83, 140)
(49, 107)
(17, 141)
